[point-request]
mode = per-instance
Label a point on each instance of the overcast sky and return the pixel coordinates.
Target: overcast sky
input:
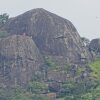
(84, 14)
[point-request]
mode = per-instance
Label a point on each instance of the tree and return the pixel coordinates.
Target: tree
(3, 19)
(37, 87)
(85, 41)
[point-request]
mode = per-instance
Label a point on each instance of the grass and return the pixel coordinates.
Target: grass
(95, 66)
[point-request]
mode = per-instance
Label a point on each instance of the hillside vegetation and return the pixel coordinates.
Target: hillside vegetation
(86, 89)
(95, 66)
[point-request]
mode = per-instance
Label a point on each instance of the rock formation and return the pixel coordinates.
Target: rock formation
(19, 60)
(33, 36)
(53, 35)
(95, 45)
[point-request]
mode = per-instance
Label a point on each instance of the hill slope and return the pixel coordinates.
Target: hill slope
(37, 39)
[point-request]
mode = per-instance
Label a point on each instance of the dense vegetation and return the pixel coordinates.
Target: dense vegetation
(84, 89)
(20, 94)
(95, 66)
(87, 89)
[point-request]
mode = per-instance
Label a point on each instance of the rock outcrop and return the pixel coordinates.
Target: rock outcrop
(19, 60)
(34, 36)
(95, 45)
(54, 36)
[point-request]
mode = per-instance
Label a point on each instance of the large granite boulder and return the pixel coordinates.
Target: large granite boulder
(53, 35)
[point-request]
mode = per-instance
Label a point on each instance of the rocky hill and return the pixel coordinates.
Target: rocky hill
(34, 37)
(53, 35)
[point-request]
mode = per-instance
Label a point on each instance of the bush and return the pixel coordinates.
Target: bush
(39, 97)
(37, 87)
(3, 18)
(69, 98)
(3, 34)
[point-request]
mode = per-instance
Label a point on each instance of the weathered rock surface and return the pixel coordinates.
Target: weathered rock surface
(95, 45)
(53, 35)
(35, 35)
(19, 59)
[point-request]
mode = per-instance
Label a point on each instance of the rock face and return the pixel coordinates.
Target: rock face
(19, 59)
(95, 45)
(53, 35)
(33, 36)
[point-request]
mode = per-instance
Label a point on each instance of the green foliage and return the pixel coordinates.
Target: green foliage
(2, 94)
(39, 97)
(96, 93)
(92, 95)
(14, 94)
(3, 34)
(80, 70)
(87, 96)
(67, 68)
(95, 66)
(3, 18)
(60, 98)
(69, 98)
(69, 87)
(82, 90)
(20, 94)
(37, 87)
(49, 63)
